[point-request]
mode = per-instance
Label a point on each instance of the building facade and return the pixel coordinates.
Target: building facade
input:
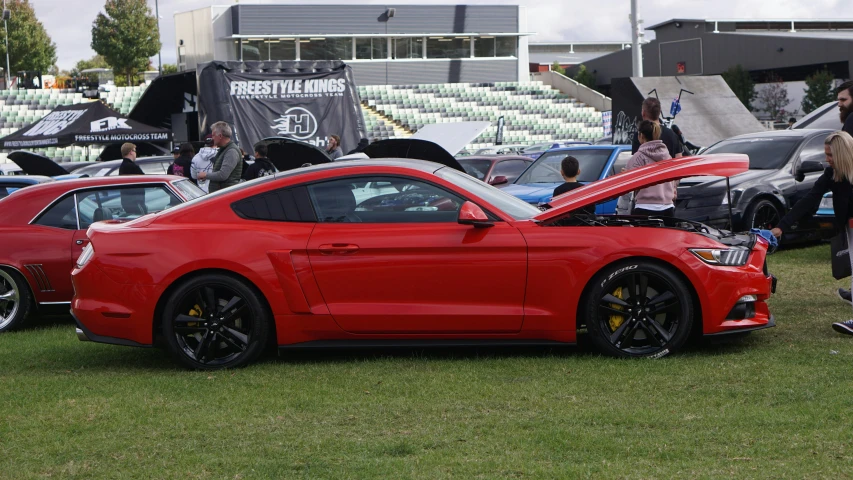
(392, 45)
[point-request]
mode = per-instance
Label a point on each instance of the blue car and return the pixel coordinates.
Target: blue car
(536, 185)
(11, 183)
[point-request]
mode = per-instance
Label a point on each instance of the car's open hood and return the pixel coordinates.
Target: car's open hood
(34, 164)
(451, 136)
(722, 164)
(412, 148)
(287, 154)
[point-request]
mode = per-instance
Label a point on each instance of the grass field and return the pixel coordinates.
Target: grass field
(776, 404)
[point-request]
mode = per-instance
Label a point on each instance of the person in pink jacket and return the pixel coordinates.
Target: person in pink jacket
(658, 199)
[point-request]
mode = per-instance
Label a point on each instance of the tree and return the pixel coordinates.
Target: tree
(741, 84)
(819, 90)
(556, 67)
(585, 77)
(126, 36)
(774, 97)
(30, 47)
(169, 68)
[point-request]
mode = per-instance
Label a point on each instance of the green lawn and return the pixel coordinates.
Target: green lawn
(776, 404)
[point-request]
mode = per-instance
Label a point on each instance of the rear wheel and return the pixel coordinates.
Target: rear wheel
(215, 321)
(763, 214)
(15, 300)
(638, 309)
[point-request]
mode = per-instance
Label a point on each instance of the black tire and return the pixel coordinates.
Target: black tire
(215, 321)
(762, 214)
(638, 309)
(16, 300)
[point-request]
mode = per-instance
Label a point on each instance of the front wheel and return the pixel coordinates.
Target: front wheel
(16, 301)
(215, 321)
(638, 309)
(762, 214)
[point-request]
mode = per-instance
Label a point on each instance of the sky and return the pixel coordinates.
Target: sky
(70, 23)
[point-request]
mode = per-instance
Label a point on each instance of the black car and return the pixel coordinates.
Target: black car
(764, 194)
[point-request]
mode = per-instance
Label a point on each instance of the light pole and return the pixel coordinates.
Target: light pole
(636, 40)
(159, 36)
(6, 15)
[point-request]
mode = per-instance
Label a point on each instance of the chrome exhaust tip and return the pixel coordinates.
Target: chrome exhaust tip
(82, 336)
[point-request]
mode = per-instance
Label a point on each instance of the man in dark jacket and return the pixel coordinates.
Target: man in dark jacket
(228, 163)
(128, 162)
(651, 112)
(845, 105)
(183, 162)
(262, 166)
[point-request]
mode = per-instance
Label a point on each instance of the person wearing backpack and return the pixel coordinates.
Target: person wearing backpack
(183, 161)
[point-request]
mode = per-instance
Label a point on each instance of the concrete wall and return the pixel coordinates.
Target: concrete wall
(574, 89)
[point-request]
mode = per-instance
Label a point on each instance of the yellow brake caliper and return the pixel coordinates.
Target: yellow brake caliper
(616, 320)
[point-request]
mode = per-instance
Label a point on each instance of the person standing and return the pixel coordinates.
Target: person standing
(838, 178)
(570, 169)
(128, 161)
(262, 166)
(203, 162)
(183, 161)
(845, 105)
(651, 111)
(334, 149)
(228, 163)
(658, 199)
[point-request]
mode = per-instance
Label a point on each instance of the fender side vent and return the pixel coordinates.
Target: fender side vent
(41, 278)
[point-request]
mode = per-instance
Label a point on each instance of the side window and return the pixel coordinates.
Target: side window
(122, 203)
(620, 163)
(153, 168)
(60, 215)
(812, 151)
(510, 169)
(383, 200)
(285, 205)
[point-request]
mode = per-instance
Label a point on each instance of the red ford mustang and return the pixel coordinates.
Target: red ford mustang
(43, 230)
(376, 252)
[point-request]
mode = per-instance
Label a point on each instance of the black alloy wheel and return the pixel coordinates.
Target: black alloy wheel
(638, 309)
(763, 214)
(215, 321)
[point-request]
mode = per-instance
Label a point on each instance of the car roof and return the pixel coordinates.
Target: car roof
(590, 147)
(85, 182)
(28, 179)
(494, 158)
(798, 133)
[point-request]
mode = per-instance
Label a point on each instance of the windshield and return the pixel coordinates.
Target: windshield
(512, 206)
(765, 153)
(476, 168)
(188, 189)
(547, 168)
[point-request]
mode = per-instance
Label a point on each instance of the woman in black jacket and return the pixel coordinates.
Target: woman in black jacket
(838, 177)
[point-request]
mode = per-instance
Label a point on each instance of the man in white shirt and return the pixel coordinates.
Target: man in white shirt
(203, 162)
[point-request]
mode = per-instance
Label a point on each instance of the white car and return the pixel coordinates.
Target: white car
(10, 169)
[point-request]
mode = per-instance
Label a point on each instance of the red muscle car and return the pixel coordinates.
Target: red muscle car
(432, 257)
(43, 230)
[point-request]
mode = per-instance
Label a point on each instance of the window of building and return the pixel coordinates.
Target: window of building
(408, 47)
(325, 48)
(371, 48)
(254, 50)
(506, 46)
(282, 49)
(448, 47)
(484, 47)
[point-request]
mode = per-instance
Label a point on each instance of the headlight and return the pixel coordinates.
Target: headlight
(826, 202)
(88, 253)
(729, 257)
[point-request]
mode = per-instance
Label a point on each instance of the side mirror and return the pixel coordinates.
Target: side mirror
(808, 167)
(499, 180)
(472, 214)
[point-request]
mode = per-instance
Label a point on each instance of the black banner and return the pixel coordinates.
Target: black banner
(305, 101)
(499, 136)
(627, 103)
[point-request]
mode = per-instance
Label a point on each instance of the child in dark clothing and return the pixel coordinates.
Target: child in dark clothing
(570, 169)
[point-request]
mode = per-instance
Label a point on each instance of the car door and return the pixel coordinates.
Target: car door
(399, 263)
(48, 264)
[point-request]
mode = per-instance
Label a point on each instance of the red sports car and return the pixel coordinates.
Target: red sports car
(295, 259)
(43, 230)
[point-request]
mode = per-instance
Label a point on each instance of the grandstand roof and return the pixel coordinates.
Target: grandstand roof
(793, 24)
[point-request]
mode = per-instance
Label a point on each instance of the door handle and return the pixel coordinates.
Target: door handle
(338, 248)
(81, 242)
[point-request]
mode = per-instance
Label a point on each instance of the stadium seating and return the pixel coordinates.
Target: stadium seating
(532, 112)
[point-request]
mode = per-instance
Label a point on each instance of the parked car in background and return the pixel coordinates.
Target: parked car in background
(825, 213)
(501, 150)
(31, 163)
(497, 170)
(536, 185)
(10, 169)
(764, 194)
(534, 151)
(608, 140)
(13, 183)
(43, 228)
(458, 262)
(149, 166)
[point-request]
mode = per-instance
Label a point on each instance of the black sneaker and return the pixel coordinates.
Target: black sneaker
(844, 294)
(845, 327)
